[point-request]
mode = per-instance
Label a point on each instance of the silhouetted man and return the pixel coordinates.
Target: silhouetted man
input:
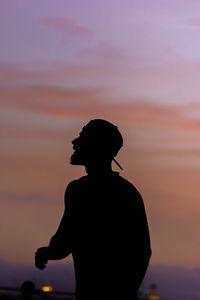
(104, 224)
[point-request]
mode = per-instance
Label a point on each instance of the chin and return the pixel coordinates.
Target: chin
(76, 160)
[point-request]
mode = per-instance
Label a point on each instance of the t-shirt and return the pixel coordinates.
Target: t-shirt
(105, 228)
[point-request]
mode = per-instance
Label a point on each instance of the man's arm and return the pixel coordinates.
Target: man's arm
(141, 240)
(60, 244)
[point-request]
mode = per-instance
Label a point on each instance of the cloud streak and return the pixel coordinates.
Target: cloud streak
(195, 22)
(66, 26)
(91, 103)
(62, 71)
(103, 51)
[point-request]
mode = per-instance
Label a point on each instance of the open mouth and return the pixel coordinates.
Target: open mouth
(75, 152)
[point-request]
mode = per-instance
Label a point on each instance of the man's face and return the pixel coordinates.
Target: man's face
(81, 148)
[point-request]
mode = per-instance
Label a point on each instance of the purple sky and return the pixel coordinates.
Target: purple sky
(134, 63)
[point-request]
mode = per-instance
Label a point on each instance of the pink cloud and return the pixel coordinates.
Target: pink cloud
(103, 51)
(92, 103)
(53, 71)
(107, 65)
(66, 26)
(15, 73)
(194, 22)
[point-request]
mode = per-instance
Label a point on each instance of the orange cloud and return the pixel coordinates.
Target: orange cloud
(61, 71)
(92, 103)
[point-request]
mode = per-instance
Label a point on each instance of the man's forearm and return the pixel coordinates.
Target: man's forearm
(141, 266)
(54, 254)
(57, 249)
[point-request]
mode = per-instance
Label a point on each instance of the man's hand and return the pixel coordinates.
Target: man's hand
(41, 257)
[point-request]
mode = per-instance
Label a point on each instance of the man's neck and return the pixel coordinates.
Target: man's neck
(96, 168)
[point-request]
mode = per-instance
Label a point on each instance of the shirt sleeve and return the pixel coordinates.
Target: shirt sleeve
(60, 245)
(142, 239)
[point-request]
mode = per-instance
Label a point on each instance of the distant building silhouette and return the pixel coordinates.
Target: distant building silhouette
(27, 290)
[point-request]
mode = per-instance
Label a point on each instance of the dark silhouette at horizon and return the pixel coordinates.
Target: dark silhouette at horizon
(104, 225)
(27, 290)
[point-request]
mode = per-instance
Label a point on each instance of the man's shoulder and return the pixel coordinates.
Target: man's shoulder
(126, 182)
(129, 186)
(76, 182)
(73, 187)
(117, 180)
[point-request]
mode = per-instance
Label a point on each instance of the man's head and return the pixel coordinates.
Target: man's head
(99, 140)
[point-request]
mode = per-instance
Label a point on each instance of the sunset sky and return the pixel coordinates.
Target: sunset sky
(133, 63)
